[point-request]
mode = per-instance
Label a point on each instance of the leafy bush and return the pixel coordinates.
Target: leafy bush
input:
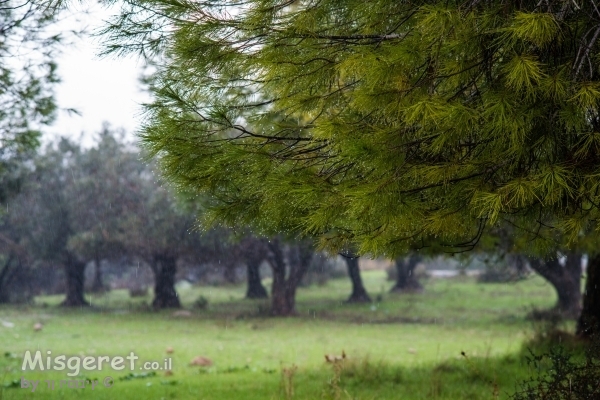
(201, 303)
(560, 376)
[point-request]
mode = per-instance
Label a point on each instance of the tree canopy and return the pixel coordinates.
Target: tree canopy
(380, 124)
(27, 78)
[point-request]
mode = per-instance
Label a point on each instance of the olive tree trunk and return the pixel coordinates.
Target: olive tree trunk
(359, 293)
(5, 278)
(98, 284)
(283, 292)
(165, 296)
(75, 279)
(406, 282)
(566, 281)
(255, 290)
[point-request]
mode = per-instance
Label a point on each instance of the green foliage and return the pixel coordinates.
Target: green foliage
(104, 195)
(538, 28)
(378, 125)
(100, 203)
(201, 303)
(76, 202)
(27, 78)
(563, 378)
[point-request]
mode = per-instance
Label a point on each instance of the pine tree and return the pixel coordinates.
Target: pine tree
(377, 125)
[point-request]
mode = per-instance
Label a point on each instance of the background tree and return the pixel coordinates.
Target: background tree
(13, 257)
(110, 174)
(27, 79)
(287, 275)
(359, 293)
(513, 253)
(406, 281)
(103, 203)
(159, 232)
(254, 251)
(565, 277)
(48, 211)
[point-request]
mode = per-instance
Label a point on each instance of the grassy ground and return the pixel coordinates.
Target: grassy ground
(399, 347)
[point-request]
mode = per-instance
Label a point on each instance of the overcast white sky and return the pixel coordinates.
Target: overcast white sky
(102, 89)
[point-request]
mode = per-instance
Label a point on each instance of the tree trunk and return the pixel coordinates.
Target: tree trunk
(359, 293)
(4, 280)
(405, 279)
(279, 302)
(300, 257)
(569, 297)
(165, 296)
(98, 285)
(283, 292)
(256, 290)
(75, 275)
(588, 325)
(566, 281)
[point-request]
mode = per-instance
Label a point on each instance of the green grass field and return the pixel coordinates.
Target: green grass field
(399, 347)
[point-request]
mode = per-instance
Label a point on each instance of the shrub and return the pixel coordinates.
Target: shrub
(201, 303)
(557, 376)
